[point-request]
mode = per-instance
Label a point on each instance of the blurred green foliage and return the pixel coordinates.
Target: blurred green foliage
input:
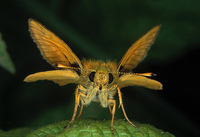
(5, 60)
(20, 132)
(114, 21)
(104, 30)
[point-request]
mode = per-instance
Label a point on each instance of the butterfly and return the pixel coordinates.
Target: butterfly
(97, 81)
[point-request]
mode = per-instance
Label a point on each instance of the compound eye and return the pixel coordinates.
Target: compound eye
(110, 78)
(91, 76)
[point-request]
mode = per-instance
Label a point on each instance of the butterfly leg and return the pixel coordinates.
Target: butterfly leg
(113, 105)
(122, 106)
(82, 97)
(77, 99)
(81, 109)
(111, 111)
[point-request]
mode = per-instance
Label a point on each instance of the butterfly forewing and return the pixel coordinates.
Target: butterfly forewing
(54, 50)
(138, 51)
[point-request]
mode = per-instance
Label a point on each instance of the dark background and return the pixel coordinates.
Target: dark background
(104, 30)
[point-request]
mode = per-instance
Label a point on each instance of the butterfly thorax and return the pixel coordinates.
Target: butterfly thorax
(98, 81)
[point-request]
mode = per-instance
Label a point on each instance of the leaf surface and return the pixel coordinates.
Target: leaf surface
(95, 128)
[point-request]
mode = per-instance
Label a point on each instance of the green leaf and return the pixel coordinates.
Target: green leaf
(95, 128)
(20, 132)
(5, 60)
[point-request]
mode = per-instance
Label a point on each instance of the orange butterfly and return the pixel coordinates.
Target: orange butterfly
(97, 80)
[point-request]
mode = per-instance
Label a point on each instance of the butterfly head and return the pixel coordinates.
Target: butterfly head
(101, 78)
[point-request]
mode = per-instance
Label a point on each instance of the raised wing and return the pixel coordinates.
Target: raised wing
(61, 77)
(137, 52)
(54, 50)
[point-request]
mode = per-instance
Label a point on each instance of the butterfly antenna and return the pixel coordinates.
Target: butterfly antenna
(149, 74)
